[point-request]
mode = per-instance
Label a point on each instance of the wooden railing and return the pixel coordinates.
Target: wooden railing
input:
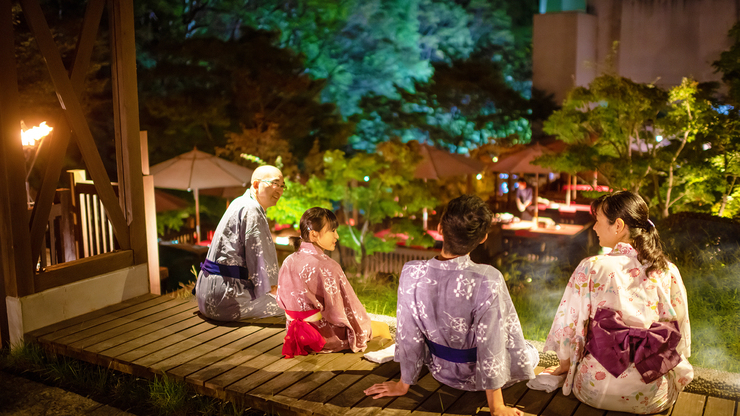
(385, 262)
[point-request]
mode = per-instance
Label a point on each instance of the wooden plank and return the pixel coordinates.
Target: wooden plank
(264, 340)
(168, 317)
(267, 373)
(417, 394)
(534, 401)
(33, 335)
(75, 116)
(260, 361)
(470, 403)
(561, 405)
(689, 404)
(195, 352)
(122, 326)
(354, 396)
(441, 400)
(349, 362)
(73, 271)
(586, 410)
(314, 401)
(719, 407)
(309, 365)
(150, 341)
(513, 394)
(85, 324)
(183, 344)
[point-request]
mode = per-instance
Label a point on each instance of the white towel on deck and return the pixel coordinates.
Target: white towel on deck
(546, 382)
(382, 356)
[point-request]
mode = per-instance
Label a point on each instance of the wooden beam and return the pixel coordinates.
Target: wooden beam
(65, 273)
(15, 244)
(126, 120)
(75, 116)
(60, 137)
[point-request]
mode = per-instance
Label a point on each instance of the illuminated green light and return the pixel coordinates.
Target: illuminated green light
(366, 178)
(479, 176)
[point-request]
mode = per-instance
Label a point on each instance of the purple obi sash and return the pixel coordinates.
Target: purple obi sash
(614, 345)
(237, 272)
(452, 354)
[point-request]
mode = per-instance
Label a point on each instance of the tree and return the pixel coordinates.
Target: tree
(466, 104)
(378, 186)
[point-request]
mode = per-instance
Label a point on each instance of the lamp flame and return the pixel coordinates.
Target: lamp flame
(32, 135)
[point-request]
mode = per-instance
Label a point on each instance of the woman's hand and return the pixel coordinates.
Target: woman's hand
(559, 369)
(389, 388)
(506, 411)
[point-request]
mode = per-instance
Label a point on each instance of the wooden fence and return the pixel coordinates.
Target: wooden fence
(384, 262)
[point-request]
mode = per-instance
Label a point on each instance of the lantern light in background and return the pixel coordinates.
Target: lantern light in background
(479, 176)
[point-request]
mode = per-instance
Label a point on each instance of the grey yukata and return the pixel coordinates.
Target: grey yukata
(242, 238)
(460, 304)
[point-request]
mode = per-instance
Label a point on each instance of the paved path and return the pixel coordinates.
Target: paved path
(22, 397)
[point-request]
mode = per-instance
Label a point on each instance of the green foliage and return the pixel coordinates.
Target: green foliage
(169, 396)
(729, 65)
(465, 104)
(172, 221)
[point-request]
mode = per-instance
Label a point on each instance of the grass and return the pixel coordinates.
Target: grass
(713, 290)
(161, 396)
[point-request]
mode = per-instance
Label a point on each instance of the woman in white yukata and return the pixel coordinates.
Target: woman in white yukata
(323, 311)
(622, 331)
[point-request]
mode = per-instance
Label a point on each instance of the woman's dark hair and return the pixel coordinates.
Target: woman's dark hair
(314, 219)
(465, 223)
(633, 210)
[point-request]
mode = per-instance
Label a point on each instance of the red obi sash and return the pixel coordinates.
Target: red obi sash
(614, 345)
(302, 337)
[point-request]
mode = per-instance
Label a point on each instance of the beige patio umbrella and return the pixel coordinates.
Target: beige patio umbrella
(197, 170)
(520, 162)
(438, 163)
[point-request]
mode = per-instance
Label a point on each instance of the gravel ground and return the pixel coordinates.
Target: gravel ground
(706, 381)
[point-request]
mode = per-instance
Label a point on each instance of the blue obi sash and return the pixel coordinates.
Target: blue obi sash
(236, 272)
(452, 354)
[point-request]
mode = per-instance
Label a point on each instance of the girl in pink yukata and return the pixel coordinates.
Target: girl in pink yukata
(323, 311)
(622, 330)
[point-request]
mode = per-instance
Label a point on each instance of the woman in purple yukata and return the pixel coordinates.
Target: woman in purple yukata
(457, 317)
(622, 330)
(324, 314)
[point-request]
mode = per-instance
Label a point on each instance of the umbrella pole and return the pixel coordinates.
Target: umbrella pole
(197, 216)
(536, 195)
(425, 213)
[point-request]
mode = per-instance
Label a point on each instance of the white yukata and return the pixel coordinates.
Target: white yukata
(242, 238)
(462, 305)
(617, 281)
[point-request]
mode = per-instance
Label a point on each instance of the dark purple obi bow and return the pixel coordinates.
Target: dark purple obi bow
(615, 345)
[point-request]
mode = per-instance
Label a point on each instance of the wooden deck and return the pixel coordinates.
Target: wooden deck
(242, 362)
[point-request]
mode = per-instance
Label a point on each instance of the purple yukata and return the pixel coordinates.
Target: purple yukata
(242, 239)
(311, 280)
(462, 305)
(618, 283)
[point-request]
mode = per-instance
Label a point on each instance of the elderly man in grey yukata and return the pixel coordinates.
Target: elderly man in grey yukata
(239, 278)
(457, 317)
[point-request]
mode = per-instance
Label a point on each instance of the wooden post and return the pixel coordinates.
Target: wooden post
(150, 208)
(67, 226)
(126, 121)
(15, 244)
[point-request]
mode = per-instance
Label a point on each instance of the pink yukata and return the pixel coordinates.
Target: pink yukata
(310, 280)
(618, 282)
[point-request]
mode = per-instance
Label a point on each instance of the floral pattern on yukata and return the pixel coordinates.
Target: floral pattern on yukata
(618, 281)
(462, 305)
(242, 238)
(310, 280)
